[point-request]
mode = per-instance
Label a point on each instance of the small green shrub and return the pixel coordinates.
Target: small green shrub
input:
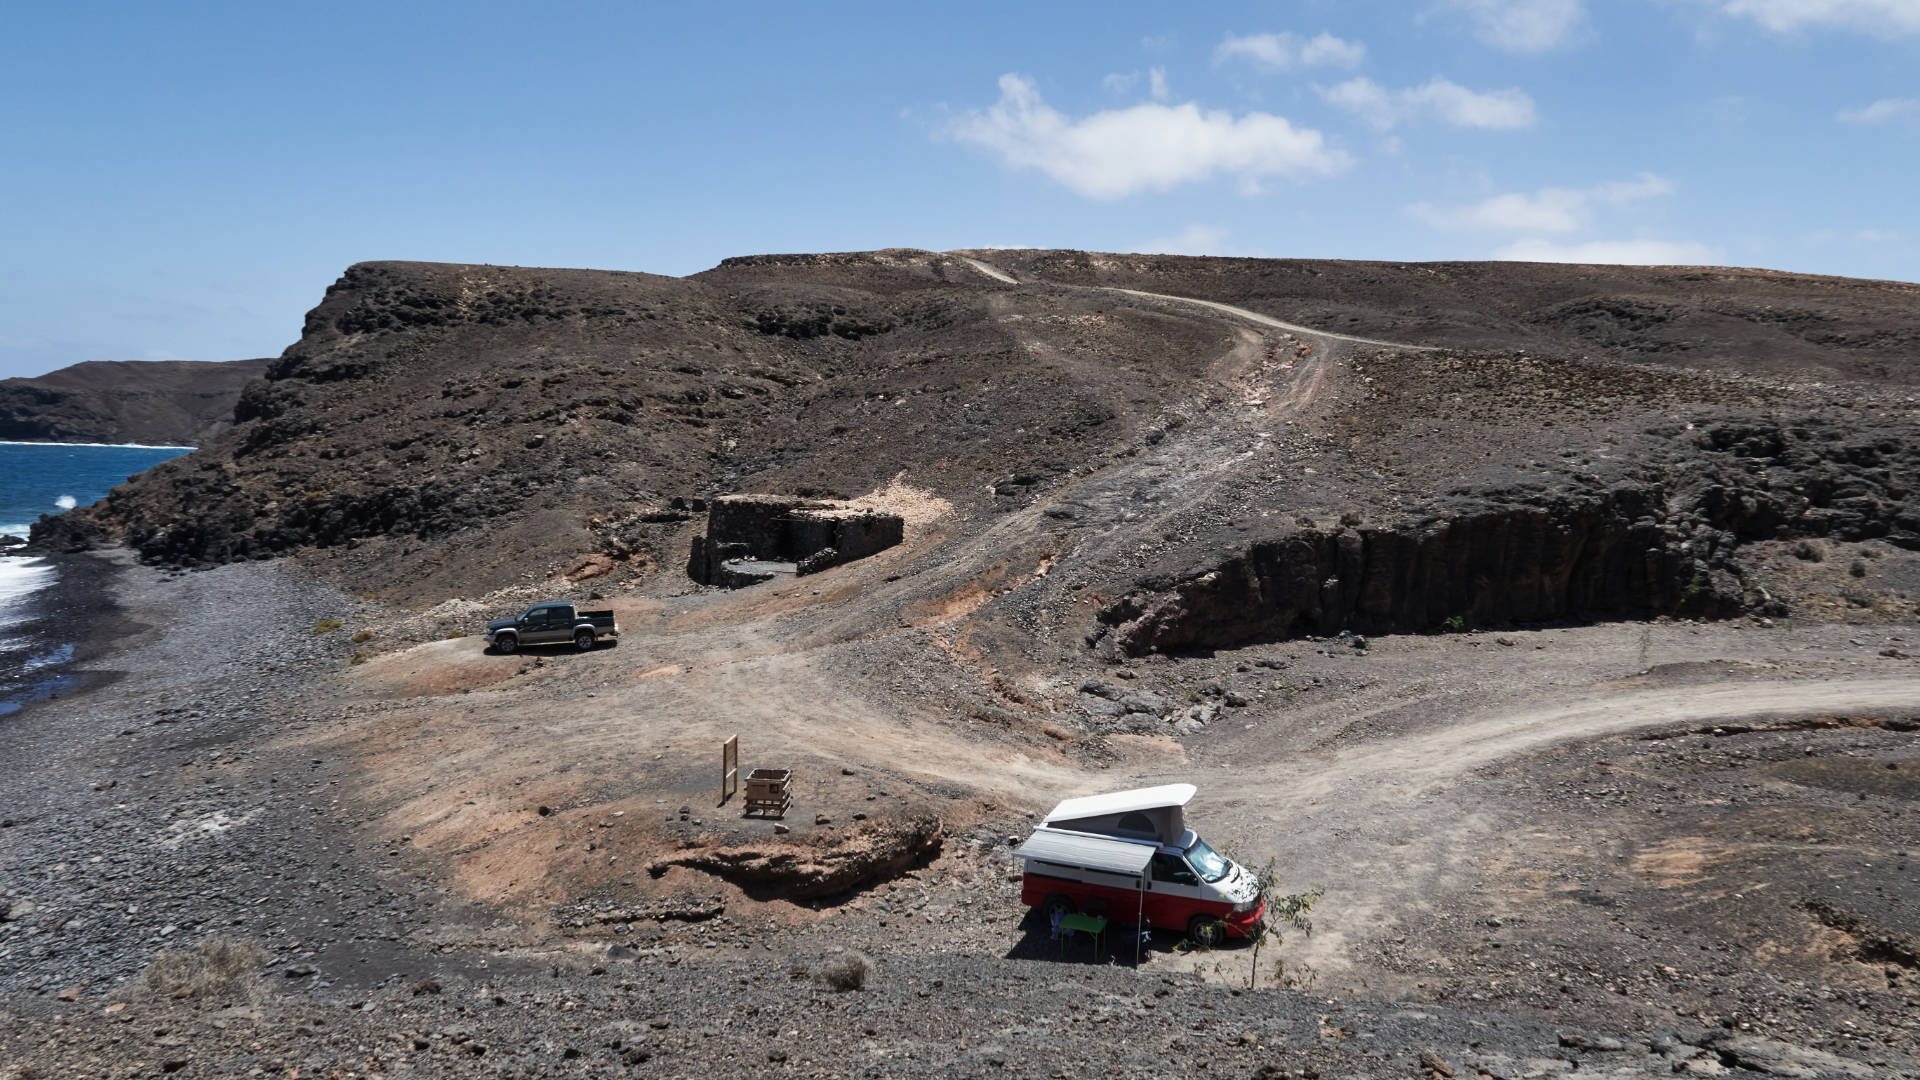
(327, 626)
(847, 971)
(363, 635)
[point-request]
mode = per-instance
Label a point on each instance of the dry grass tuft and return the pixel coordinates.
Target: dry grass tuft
(847, 971)
(216, 967)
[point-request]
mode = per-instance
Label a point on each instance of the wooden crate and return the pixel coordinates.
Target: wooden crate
(769, 792)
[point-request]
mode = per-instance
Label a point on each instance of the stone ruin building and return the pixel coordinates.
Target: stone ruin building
(755, 538)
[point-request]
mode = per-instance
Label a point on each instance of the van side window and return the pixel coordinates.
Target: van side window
(1174, 869)
(537, 618)
(1135, 824)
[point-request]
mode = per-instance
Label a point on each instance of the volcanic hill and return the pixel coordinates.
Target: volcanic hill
(167, 402)
(1474, 442)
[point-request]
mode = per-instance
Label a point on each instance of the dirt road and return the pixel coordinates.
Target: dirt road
(1389, 824)
(1269, 321)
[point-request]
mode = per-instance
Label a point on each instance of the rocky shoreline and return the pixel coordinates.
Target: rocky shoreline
(124, 801)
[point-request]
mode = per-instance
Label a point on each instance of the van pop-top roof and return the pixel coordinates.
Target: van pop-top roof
(1123, 802)
(1141, 814)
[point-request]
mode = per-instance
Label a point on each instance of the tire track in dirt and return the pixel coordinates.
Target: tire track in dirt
(1389, 824)
(1000, 275)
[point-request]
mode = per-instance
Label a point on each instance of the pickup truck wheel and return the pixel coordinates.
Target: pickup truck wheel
(583, 640)
(1206, 932)
(506, 643)
(1057, 904)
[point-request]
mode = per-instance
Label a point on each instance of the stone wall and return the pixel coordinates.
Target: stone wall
(814, 536)
(831, 538)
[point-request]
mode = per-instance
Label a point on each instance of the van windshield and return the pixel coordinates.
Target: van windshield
(1207, 862)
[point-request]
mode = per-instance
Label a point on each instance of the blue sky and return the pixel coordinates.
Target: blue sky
(183, 180)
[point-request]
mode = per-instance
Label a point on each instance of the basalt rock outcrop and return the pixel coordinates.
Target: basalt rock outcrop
(1636, 548)
(833, 866)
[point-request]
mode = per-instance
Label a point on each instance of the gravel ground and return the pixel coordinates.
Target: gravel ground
(182, 801)
(166, 805)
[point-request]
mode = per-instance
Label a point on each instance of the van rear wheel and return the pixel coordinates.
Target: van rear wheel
(583, 640)
(1057, 905)
(1206, 932)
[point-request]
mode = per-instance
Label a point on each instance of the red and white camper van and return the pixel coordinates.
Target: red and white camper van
(1129, 855)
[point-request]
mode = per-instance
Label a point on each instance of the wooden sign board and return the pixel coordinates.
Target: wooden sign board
(729, 768)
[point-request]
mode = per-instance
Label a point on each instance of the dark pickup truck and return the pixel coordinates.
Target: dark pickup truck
(551, 623)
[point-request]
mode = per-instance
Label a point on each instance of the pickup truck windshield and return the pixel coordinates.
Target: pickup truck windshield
(1207, 862)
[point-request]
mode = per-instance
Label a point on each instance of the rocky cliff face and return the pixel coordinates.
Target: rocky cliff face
(445, 430)
(1635, 548)
(175, 403)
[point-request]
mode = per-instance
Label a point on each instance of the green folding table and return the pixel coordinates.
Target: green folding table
(1095, 926)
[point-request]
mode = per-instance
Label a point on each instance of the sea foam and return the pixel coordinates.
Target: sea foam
(20, 578)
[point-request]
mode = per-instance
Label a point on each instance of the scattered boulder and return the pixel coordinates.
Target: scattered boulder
(1783, 1059)
(588, 567)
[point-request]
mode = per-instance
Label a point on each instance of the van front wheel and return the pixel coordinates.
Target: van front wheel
(1206, 932)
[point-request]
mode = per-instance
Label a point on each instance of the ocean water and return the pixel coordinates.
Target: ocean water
(46, 478)
(36, 479)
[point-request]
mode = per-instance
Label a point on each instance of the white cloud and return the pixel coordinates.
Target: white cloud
(1124, 82)
(1627, 252)
(1447, 101)
(1146, 147)
(1882, 18)
(1283, 52)
(1526, 26)
(1192, 240)
(1644, 186)
(1549, 210)
(1886, 110)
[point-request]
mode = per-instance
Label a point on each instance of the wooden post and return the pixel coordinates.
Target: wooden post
(729, 768)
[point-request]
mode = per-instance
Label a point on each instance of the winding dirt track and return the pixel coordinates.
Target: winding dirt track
(1387, 825)
(1412, 764)
(1269, 321)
